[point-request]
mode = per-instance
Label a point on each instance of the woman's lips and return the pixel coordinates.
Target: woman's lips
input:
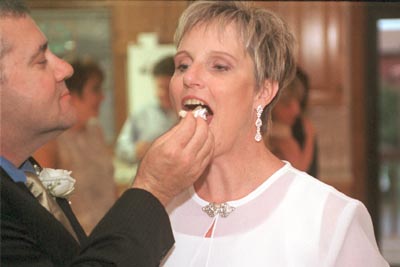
(193, 103)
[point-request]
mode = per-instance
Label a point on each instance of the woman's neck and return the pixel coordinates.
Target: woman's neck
(231, 177)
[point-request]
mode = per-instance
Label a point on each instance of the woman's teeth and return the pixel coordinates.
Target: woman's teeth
(198, 108)
(193, 102)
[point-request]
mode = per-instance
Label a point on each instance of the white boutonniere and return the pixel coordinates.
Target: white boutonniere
(58, 182)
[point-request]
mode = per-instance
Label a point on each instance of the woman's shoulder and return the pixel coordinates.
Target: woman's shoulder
(316, 189)
(311, 201)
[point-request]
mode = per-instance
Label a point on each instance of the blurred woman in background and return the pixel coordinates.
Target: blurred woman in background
(83, 150)
(282, 140)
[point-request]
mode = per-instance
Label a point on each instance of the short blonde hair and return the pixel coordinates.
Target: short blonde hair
(265, 36)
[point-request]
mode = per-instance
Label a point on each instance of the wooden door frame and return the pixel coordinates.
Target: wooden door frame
(365, 104)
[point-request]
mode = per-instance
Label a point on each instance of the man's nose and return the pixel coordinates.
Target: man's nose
(63, 70)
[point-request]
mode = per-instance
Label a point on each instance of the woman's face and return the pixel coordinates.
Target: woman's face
(88, 104)
(214, 69)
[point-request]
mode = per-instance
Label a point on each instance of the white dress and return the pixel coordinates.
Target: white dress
(292, 219)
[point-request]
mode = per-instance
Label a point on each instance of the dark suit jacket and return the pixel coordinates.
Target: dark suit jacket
(135, 232)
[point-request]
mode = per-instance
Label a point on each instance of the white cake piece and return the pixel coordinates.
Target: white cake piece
(197, 112)
(182, 113)
(200, 112)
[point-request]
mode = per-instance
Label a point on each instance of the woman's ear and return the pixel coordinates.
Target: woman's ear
(266, 93)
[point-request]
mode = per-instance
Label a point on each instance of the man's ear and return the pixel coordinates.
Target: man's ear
(266, 93)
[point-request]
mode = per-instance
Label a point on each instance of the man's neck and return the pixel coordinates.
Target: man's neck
(17, 157)
(19, 151)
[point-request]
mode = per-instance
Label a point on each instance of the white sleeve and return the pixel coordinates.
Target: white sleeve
(354, 243)
(125, 146)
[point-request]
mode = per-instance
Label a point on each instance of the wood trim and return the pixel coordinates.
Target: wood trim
(358, 101)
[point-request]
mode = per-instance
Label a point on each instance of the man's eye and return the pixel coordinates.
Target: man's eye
(43, 62)
(182, 67)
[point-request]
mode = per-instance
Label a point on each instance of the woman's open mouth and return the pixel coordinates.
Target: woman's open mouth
(198, 107)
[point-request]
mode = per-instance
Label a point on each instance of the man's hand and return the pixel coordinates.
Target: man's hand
(141, 149)
(176, 159)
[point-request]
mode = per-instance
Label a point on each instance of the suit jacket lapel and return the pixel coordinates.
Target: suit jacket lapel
(50, 235)
(80, 233)
(63, 203)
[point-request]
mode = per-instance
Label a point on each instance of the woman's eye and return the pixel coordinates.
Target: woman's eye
(220, 67)
(43, 62)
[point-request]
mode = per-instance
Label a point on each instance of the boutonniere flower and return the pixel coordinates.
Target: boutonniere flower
(58, 182)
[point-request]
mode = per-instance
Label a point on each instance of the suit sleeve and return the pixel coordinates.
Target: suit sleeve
(135, 232)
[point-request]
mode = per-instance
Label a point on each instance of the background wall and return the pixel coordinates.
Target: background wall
(72, 36)
(327, 51)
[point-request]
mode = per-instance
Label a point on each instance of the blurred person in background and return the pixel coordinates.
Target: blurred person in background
(292, 136)
(298, 128)
(83, 150)
(140, 130)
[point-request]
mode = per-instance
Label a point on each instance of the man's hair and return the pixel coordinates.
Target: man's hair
(264, 35)
(164, 67)
(83, 70)
(9, 8)
(13, 8)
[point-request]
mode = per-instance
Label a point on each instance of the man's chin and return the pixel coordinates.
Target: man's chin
(70, 119)
(57, 130)
(68, 124)
(64, 125)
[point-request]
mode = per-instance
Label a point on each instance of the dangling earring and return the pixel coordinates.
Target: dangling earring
(258, 136)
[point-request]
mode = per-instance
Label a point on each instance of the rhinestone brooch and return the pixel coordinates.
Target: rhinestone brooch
(213, 209)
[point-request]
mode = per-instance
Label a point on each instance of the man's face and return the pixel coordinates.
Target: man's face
(34, 98)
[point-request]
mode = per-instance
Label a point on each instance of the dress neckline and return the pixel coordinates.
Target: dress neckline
(249, 197)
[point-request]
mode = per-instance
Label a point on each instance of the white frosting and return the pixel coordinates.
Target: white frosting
(198, 112)
(182, 113)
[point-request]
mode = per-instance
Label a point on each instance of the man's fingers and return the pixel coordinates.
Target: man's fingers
(200, 148)
(182, 154)
(199, 137)
(181, 133)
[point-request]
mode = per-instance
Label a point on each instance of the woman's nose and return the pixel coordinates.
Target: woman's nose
(193, 77)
